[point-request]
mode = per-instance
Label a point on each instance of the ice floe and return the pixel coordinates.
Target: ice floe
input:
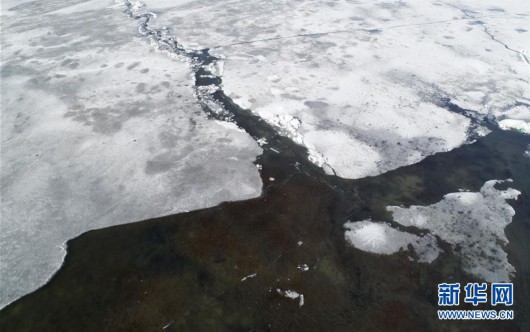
(303, 267)
(291, 294)
(250, 276)
(472, 223)
(381, 238)
(514, 124)
(98, 130)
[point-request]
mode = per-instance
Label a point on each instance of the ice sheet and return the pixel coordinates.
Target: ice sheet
(374, 77)
(98, 130)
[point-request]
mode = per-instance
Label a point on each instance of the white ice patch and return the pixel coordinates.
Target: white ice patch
(262, 141)
(303, 267)
(208, 89)
(250, 276)
(381, 238)
(472, 223)
(513, 124)
(288, 125)
(292, 295)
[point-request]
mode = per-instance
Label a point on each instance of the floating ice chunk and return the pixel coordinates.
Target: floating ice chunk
(482, 131)
(167, 325)
(381, 238)
(473, 223)
(209, 89)
(292, 295)
(514, 124)
(303, 267)
(250, 276)
(262, 141)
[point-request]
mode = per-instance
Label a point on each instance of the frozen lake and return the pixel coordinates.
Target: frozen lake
(115, 112)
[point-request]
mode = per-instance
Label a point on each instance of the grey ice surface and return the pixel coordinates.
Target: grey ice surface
(98, 130)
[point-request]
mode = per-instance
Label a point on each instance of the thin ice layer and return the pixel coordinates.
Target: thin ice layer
(97, 130)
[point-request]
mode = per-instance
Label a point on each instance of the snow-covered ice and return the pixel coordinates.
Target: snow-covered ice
(370, 77)
(518, 125)
(472, 223)
(98, 130)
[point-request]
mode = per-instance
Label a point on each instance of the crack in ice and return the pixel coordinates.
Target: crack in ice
(522, 53)
(352, 30)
